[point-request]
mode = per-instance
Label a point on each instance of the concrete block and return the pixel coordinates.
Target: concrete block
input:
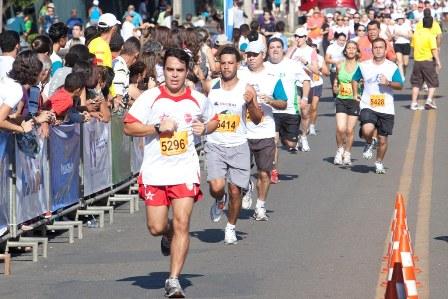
(33, 245)
(41, 240)
(76, 224)
(69, 228)
(98, 213)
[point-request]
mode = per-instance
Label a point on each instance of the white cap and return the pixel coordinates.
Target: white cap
(351, 11)
(255, 47)
(301, 31)
(107, 20)
(50, 5)
(329, 15)
(398, 16)
(222, 40)
(96, 2)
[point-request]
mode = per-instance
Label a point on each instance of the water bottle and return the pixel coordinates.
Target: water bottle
(91, 223)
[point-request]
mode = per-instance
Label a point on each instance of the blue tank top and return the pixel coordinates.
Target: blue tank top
(95, 15)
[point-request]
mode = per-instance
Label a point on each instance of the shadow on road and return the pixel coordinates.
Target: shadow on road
(362, 168)
(442, 238)
(288, 177)
(156, 280)
(214, 235)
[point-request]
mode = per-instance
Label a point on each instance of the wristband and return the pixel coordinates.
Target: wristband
(157, 128)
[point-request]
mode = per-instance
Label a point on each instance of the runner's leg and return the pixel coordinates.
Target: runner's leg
(157, 220)
(351, 124)
(341, 128)
(382, 148)
(234, 203)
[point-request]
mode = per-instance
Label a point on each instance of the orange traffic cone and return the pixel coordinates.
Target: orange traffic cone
(408, 267)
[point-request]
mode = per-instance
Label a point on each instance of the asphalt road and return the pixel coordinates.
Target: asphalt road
(325, 238)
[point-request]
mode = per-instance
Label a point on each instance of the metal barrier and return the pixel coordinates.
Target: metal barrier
(75, 166)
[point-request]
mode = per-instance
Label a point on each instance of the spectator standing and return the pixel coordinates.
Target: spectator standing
(137, 20)
(143, 10)
(10, 46)
(427, 64)
(77, 37)
(72, 21)
(49, 18)
(435, 28)
(238, 14)
(99, 46)
(127, 28)
(16, 23)
(94, 13)
(58, 35)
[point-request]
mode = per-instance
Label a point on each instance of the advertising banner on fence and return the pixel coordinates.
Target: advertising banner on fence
(138, 147)
(121, 152)
(32, 188)
(64, 145)
(96, 156)
(4, 183)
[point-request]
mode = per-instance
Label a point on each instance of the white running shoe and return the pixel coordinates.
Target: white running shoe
(260, 214)
(217, 209)
(338, 156)
(347, 158)
(416, 106)
(247, 198)
(305, 145)
(230, 236)
(368, 151)
(173, 288)
(379, 167)
(313, 130)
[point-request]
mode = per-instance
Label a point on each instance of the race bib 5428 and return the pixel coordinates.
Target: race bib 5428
(228, 123)
(174, 145)
(377, 100)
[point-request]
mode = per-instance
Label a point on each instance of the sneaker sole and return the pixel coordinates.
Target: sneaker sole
(175, 295)
(261, 219)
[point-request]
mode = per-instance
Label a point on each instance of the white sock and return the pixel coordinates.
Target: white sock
(230, 226)
(428, 100)
(260, 203)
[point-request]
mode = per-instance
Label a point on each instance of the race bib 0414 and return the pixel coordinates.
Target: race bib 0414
(228, 123)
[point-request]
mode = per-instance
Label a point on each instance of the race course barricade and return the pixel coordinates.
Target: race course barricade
(5, 141)
(64, 165)
(32, 186)
(96, 156)
(121, 151)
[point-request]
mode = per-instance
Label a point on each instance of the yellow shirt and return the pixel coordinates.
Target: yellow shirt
(101, 49)
(435, 29)
(423, 43)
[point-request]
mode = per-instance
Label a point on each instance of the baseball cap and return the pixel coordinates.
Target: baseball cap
(222, 40)
(329, 15)
(51, 5)
(301, 31)
(107, 20)
(255, 47)
(96, 2)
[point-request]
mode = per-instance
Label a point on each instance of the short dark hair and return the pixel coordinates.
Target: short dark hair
(379, 39)
(74, 81)
(131, 46)
(244, 28)
(116, 42)
(374, 22)
(427, 22)
(177, 53)
(81, 51)
(339, 34)
(26, 68)
(254, 25)
(91, 33)
(275, 39)
(230, 50)
(136, 69)
(252, 36)
(42, 44)
(9, 39)
(57, 31)
(280, 26)
(78, 25)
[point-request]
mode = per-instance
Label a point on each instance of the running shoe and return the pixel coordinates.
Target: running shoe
(312, 130)
(430, 105)
(274, 176)
(379, 167)
(217, 209)
(293, 150)
(260, 214)
(368, 151)
(247, 197)
(165, 245)
(416, 106)
(230, 236)
(305, 145)
(173, 288)
(347, 159)
(338, 156)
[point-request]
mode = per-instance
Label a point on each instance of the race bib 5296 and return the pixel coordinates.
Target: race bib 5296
(174, 145)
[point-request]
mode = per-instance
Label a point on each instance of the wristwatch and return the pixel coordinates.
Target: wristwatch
(157, 128)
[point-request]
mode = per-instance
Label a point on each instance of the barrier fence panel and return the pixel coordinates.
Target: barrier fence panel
(64, 151)
(5, 139)
(96, 156)
(121, 151)
(137, 148)
(31, 184)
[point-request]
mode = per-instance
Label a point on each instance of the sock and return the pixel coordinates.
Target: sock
(230, 226)
(428, 100)
(260, 203)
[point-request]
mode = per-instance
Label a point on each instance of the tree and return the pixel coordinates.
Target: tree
(6, 4)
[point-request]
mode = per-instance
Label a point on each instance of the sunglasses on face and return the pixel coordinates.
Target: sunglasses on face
(362, 30)
(339, 19)
(300, 36)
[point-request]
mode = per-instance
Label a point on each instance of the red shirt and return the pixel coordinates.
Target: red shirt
(365, 46)
(61, 101)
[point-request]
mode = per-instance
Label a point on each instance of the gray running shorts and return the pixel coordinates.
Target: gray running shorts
(231, 163)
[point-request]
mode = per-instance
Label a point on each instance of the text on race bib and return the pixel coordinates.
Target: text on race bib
(174, 145)
(377, 100)
(345, 89)
(228, 123)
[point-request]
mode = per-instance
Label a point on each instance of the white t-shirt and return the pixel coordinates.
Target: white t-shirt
(127, 30)
(11, 92)
(121, 78)
(231, 109)
(401, 29)
(290, 73)
(307, 53)
(317, 80)
(5, 65)
(336, 53)
(170, 161)
(264, 83)
(377, 97)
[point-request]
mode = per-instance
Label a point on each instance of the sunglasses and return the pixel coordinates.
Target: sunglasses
(339, 19)
(300, 36)
(362, 30)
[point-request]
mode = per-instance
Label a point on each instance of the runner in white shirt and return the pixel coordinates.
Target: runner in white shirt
(334, 55)
(168, 116)
(226, 150)
(380, 77)
(261, 137)
(402, 33)
(306, 56)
